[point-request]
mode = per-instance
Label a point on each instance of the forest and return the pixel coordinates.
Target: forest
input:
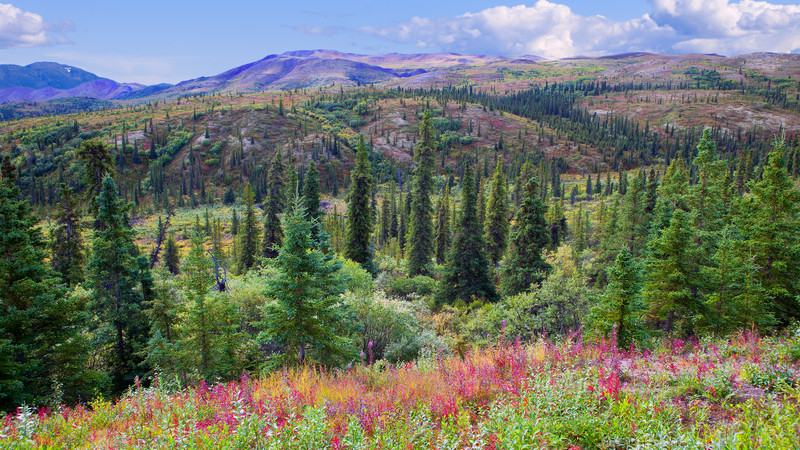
(140, 252)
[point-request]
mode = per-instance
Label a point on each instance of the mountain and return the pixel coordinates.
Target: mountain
(46, 81)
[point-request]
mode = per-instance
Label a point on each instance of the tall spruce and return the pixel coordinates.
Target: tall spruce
(443, 237)
(197, 282)
(41, 328)
(97, 163)
(524, 266)
(172, 257)
(421, 239)
(273, 208)
(312, 202)
(620, 307)
(248, 233)
(497, 218)
(772, 224)
(306, 315)
(359, 213)
(68, 255)
(466, 273)
(116, 282)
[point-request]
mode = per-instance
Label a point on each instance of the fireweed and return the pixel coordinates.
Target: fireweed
(569, 394)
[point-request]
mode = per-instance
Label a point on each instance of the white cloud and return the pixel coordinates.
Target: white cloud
(20, 28)
(552, 30)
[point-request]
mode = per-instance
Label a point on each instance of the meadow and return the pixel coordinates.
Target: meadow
(739, 392)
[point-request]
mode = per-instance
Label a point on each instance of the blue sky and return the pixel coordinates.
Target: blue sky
(169, 40)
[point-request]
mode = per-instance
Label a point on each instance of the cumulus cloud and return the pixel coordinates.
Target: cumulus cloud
(20, 28)
(552, 30)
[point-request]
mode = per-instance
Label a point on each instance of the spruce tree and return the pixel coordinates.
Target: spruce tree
(116, 281)
(172, 257)
(248, 233)
(466, 273)
(197, 282)
(620, 307)
(524, 265)
(97, 163)
(359, 214)
(234, 222)
(771, 222)
(312, 203)
(443, 237)
(671, 276)
(305, 315)
(275, 203)
(67, 243)
(41, 328)
(421, 245)
(497, 218)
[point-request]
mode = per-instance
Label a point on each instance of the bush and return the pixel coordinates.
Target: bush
(392, 328)
(359, 281)
(406, 287)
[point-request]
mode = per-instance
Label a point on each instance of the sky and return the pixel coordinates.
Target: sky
(167, 41)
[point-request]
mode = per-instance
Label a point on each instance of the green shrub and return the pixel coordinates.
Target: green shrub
(406, 287)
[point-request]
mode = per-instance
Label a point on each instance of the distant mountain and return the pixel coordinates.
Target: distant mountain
(42, 75)
(45, 81)
(295, 70)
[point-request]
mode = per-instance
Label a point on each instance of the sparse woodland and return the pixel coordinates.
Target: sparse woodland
(451, 267)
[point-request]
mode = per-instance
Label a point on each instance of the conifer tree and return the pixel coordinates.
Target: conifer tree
(305, 316)
(114, 276)
(620, 307)
(386, 215)
(359, 214)
(275, 203)
(772, 224)
(466, 276)
(197, 282)
(557, 223)
(97, 163)
(234, 222)
(248, 233)
(405, 212)
(66, 240)
(172, 258)
(393, 220)
(632, 223)
(524, 266)
(443, 226)
(312, 202)
(421, 245)
(41, 329)
(497, 218)
(671, 276)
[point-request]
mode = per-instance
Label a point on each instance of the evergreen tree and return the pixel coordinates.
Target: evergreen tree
(557, 223)
(443, 226)
(41, 328)
(466, 274)
(497, 215)
(620, 306)
(66, 240)
(386, 215)
(97, 163)
(405, 212)
(172, 258)
(275, 203)
(421, 245)
(359, 214)
(234, 222)
(312, 202)
(671, 276)
(248, 234)
(772, 224)
(524, 266)
(197, 282)
(632, 223)
(305, 315)
(114, 276)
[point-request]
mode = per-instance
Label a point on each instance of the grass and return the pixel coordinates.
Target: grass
(545, 395)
